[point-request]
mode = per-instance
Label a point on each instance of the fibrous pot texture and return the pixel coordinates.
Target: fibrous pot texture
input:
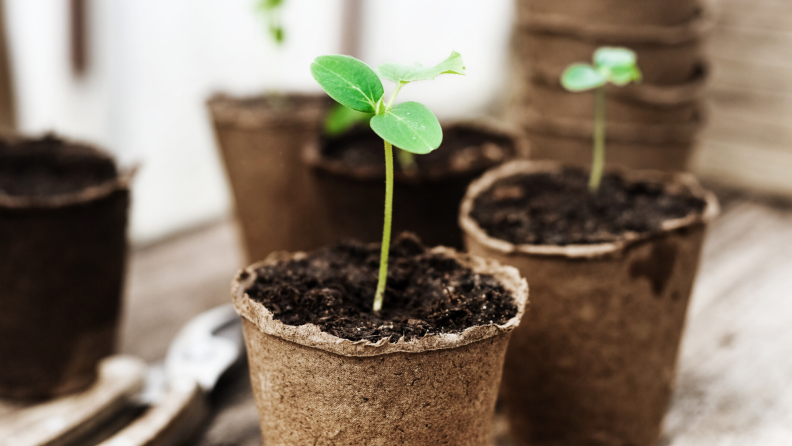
(661, 146)
(594, 361)
(613, 12)
(63, 217)
(350, 176)
(312, 387)
(260, 139)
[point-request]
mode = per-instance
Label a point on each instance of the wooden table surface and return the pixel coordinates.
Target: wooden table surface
(735, 377)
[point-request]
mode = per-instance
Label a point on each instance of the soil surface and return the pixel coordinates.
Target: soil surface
(334, 289)
(49, 166)
(558, 209)
(463, 149)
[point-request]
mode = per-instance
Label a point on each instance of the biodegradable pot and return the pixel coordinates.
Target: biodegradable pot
(637, 103)
(595, 362)
(314, 388)
(666, 146)
(63, 266)
(260, 139)
(614, 12)
(666, 56)
(426, 203)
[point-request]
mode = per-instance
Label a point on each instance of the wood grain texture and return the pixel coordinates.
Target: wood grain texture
(733, 386)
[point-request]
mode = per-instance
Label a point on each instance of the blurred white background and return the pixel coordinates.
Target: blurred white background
(153, 63)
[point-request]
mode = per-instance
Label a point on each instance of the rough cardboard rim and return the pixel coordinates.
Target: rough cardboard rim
(310, 335)
(695, 28)
(677, 180)
(122, 181)
(312, 156)
(230, 111)
(657, 95)
(660, 133)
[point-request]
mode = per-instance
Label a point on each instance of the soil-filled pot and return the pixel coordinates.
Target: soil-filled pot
(611, 275)
(63, 217)
(413, 374)
(261, 139)
(642, 103)
(617, 12)
(665, 56)
(350, 176)
(666, 146)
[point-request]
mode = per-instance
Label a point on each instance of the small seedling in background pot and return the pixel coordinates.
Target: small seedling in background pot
(611, 65)
(409, 126)
(271, 9)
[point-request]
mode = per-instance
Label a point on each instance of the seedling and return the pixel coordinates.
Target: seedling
(409, 126)
(614, 65)
(271, 9)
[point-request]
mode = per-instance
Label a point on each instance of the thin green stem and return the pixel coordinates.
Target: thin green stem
(393, 96)
(386, 229)
(598, 157)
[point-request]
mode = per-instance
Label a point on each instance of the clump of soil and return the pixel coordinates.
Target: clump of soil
(427, 293)
(463, 149)
(50, 166)
(558, 209)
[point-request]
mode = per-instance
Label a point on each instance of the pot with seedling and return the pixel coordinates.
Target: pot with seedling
(611, 256)
(348, 168)
(260, 139)
(63, 217)
(378, 344)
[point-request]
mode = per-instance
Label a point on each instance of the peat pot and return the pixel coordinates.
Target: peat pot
(350, 178)
(594, 361)
(260, 139)
(642, 103)
(666, 55)
(63, 218)
(312, 387)
(614, 12)
(661, 146)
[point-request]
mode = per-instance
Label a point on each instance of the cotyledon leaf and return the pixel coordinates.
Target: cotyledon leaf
(409, 126)
(349, 81)
(581, 77)
(417, 72)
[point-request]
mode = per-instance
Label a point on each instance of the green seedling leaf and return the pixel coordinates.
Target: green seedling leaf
(277, 33)
(268, 5)
(417, 72)
(409, 126)
(340, 119)
(618, 65)
(349, 81)
(581, 77)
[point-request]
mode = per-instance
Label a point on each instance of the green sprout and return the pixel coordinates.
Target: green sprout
(409, 126)
(611, 64)
(272, 13)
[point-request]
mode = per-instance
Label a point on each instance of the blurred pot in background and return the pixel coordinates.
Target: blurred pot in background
(63, 219)
(260, 139)
(350, 179)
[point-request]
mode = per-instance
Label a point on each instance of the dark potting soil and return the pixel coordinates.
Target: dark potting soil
(558, 209)
(463, 149)
(50, 166)
(427, 293)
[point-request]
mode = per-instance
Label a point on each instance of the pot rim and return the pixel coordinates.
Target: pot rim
(636, 132)
(312, 156)
(695, 28)
(682, 179)
(653, 95)
(121, 182)
(310, 335)
(228, 110)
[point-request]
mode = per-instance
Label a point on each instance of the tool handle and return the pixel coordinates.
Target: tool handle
(169, 423)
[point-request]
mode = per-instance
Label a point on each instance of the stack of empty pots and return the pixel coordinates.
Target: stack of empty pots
(653, 124)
